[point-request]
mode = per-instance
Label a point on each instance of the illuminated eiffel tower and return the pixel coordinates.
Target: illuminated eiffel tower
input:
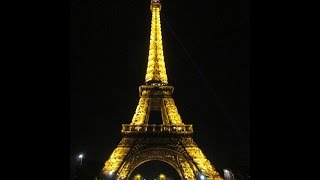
(171, 141)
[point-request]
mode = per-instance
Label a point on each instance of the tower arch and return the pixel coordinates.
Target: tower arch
(172, 157)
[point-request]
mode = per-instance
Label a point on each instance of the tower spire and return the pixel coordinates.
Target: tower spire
(156, 70)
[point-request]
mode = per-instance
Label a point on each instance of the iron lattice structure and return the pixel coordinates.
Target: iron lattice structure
(171, 141)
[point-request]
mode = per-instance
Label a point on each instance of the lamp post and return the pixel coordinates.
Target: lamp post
(80, 157)
(202, 177)
(78, 172)
(228, 175)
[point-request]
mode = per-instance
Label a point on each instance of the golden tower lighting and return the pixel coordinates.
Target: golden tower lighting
(171, 141)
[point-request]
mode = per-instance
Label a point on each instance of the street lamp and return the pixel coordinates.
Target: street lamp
(80, 157)
(228, 175)
(202, 177)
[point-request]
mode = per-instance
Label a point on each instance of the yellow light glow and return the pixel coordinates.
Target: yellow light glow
(203, 163)
(141, 111)
(137, 177)
(156, 70)
(157, 95)
(162, 177)
(174, 116)
(115, 160)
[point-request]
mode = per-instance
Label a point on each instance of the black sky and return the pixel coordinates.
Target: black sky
(207, 53)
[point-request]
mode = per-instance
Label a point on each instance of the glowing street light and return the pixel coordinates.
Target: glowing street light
(202, 177)
(80, 157)
(228, 175)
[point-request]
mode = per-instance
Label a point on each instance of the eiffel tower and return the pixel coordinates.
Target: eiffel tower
(171, 141)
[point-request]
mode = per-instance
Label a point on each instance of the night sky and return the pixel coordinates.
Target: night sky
(207, 53)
